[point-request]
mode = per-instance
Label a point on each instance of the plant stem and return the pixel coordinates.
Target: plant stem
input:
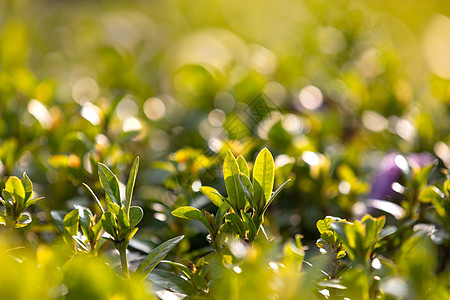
(122, 247)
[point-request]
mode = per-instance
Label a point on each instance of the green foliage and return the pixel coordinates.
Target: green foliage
(243, 210)
(17, 196)
(332, 88)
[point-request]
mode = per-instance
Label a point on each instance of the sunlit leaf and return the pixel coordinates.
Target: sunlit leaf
(243, 166)
(212, 195)
(14, 187)
(263, 178)
(192, 213)
(130, 185)
(231, 177)
(110, 183)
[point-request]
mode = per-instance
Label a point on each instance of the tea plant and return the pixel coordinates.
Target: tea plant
(242, 212)
(17, 196)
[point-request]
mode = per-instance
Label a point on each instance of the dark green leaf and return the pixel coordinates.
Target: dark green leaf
(199, 282)
(155, 256)
(85, 221)
(249, 224)
(236, 223)
(221, 213)
(58, 217)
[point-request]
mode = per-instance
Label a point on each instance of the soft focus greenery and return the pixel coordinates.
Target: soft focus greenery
(196, 89)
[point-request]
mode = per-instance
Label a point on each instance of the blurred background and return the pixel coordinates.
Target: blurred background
(330, 87)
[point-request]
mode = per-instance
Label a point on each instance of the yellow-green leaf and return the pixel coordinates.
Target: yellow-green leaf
(232, 184)
(263, 177)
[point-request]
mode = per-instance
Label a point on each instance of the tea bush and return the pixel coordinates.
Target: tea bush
(224, 149)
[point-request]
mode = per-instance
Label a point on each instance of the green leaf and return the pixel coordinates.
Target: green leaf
(109, 224)
(31, 202)
(70, 225)
(447, 187)
(431, 193)
(136, 214)
(236, 223)
(274, 196)
(216, 198)
(231, 176)
(127, 234)
(96, 231)
(342, 230)
(130, 185)
(192, 213)
(324, 224)
(199, 282)
(28, 186)
(243, 166)
(155, 256)
(110, 183)
(263, 177)
(221, 213)
(58, 217)
(249, 224)
(247, 187)
(120, 214)
(95, 197)
(9, 202)
(182, 267)
(23, 220)
(14, 187)
(85, 221)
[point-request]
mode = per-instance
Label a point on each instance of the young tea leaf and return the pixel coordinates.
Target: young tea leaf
(216, 198)
(192, 213)
(28, 186)
(247, 187)
(231, 176)
(243, 166)
(110, 183)
(263, 178)
(130, 185)
(14, 187)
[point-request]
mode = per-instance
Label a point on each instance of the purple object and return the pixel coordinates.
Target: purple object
(381, 196)
(390, 171)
